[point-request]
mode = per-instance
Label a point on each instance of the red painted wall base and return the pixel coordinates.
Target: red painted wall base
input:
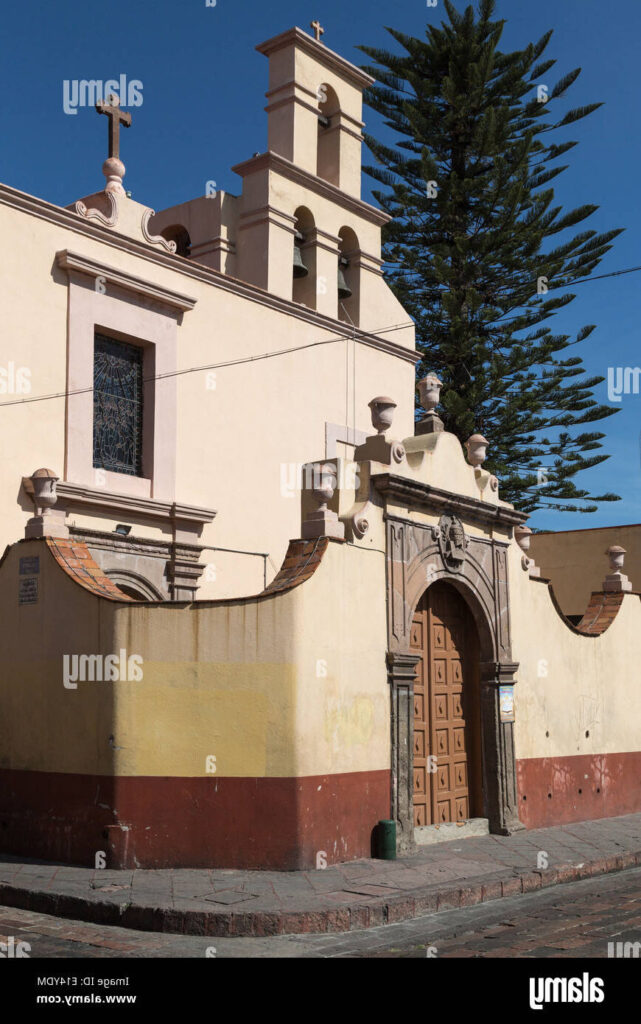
(278, 824)
(558, 790)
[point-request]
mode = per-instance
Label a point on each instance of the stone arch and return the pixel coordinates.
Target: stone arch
(328, 144)
(179, 234)
(304, 288)
(134, 585)
(479, 599)
(349, 265)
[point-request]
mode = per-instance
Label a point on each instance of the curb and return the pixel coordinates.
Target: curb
(351, 917)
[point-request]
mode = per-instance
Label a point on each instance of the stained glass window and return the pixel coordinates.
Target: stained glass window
(117, 406)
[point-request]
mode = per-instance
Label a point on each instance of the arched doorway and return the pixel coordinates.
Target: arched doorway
(447, 758)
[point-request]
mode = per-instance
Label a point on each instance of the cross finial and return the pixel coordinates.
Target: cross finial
(318, 29)
(111, 107)
(113, 168)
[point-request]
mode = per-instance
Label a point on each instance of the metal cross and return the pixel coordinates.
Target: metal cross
(111, 107)
(318, 29)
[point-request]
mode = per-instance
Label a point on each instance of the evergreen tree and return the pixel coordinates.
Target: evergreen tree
(467, 184)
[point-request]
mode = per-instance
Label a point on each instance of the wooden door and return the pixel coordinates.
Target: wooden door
(447, 768)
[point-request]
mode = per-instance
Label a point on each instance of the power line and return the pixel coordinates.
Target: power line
(597, 277)
(218, 366)
(575, 280)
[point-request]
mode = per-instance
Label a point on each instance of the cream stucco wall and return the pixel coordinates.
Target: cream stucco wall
(576, 563)
(574, 694)
(238, 435)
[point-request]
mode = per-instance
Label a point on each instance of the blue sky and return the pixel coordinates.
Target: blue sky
(202, 112)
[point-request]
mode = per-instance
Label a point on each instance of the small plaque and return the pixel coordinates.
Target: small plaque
(28, 590)
(506, 703)
(30, 566)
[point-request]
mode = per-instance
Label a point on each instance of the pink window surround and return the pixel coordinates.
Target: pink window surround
(126, 316)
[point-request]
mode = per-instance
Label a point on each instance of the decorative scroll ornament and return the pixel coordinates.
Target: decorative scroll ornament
(92, 213)
(154, 239)
(452, 542)
(398, 451)
(360, 521)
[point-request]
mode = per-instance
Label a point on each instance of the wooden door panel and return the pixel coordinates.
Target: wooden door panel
(444, 706)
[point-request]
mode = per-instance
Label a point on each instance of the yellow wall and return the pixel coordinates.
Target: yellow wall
(293, 684)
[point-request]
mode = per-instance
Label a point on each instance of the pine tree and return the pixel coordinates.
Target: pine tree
(467, 184)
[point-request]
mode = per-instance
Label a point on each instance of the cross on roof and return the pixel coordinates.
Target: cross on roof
(111, 107)
(318, 29)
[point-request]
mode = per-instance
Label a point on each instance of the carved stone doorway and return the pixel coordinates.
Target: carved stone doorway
(475, 566)
(447, 772)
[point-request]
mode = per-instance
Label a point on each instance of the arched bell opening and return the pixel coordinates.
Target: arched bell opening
(328, 151)
(447, 766)
(178, 233)
(348, 275)
(304, 259)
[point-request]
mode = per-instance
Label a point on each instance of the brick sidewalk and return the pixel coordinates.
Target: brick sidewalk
(344, 897)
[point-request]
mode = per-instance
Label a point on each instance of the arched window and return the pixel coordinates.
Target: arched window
(178, 234)
(348, 277)
(304, 259)
(134, 585)
(328, 159)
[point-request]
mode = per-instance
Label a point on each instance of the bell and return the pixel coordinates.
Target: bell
(344, 291)
(300, 270)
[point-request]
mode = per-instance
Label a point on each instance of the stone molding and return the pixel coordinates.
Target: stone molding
(162, 568)
(424, 497)
(68, 260)
(401, 667)
(78, 496)
(271, 161)
(320, 52)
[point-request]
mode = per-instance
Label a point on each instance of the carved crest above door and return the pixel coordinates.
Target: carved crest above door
(452, 542)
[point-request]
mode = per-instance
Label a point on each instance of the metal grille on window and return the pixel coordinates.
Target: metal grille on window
(117, 406)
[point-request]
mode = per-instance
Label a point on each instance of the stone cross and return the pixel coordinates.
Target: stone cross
(116, 116)
(318, 29)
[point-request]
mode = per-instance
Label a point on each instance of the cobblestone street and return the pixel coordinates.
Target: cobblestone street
(573, 920)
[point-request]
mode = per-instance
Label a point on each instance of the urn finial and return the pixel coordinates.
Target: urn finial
(324, 522)
(476, 446)
(382, 409)
(616, 581)
(47, 521)
(429, 390)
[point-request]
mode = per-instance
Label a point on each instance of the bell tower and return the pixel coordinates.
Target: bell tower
(315, 103)
(304, 232)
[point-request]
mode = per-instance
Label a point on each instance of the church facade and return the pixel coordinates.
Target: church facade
(249, 607)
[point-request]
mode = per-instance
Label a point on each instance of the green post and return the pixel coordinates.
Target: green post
(386, 840)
